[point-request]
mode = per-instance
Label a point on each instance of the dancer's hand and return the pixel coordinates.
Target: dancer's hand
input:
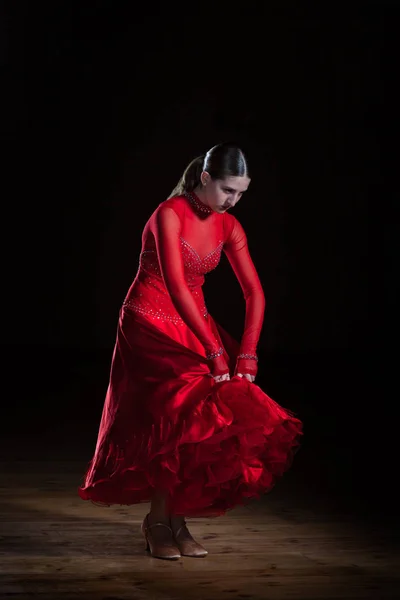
(251, 378)
(219, 368)
(225, 377)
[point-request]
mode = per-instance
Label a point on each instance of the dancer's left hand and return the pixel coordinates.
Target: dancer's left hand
(250, 378)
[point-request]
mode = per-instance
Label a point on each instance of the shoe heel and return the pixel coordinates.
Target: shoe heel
(164, 550)
(146, 542)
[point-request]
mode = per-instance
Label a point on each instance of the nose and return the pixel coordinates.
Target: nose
(229, 204)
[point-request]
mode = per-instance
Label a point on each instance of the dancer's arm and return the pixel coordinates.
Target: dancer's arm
(237, 251)
(167, 236)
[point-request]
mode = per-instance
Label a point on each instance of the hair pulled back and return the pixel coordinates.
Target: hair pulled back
(221, 161)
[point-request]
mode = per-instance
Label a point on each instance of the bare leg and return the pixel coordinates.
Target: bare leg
(158, 509)
(157, 531)
(159, 514)
(176, 522)
(178, 530)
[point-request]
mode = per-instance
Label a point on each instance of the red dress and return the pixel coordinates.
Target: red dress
(166, 423)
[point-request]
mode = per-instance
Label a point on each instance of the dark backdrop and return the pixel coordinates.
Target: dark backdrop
(105, 104)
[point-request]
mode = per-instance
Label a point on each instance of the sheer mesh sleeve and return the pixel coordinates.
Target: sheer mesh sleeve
(167, 235)
(237, 252)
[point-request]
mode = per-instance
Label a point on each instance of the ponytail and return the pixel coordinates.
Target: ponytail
(223, 160)
(190, 178)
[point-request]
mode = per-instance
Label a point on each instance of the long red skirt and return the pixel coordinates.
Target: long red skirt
(167, 425)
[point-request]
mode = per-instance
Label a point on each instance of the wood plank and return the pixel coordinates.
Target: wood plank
(52, 544)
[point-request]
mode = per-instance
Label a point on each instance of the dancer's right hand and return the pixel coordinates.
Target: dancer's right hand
(219, 378)
(219, 369)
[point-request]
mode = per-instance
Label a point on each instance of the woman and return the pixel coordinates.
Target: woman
(183, 425)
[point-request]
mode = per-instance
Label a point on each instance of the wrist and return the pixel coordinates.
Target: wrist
(247, 363)
(246, 356)
(210, 355)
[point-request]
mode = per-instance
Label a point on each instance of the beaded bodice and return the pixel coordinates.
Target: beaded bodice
(155, 303)
(182, 241)
(195, 267)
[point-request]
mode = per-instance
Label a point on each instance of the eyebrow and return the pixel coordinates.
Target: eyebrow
(231, 189)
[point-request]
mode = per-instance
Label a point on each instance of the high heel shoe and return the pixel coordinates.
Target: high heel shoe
(164, 547)
(186, 544)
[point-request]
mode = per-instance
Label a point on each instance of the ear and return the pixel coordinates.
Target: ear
(205, 178)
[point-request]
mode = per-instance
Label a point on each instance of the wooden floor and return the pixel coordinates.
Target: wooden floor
(54, 545)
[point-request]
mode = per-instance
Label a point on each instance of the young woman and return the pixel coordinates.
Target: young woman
(184, 426)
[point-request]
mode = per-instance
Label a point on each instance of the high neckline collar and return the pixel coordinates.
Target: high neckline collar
(199, 206)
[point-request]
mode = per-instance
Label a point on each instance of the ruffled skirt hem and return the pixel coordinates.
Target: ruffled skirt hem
(231, 449)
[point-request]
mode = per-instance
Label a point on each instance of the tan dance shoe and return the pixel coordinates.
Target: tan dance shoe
(162, 543)
(187, 545)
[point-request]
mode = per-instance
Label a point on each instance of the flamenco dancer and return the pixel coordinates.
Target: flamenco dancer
(184, 426)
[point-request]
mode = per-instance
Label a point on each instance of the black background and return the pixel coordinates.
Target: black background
(105, 104)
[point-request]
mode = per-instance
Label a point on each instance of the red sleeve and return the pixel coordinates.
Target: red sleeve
(167, 235)
(237, 251)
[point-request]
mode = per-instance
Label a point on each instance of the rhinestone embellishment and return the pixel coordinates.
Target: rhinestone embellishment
(160, 307)
(197, 204)
(211, 355)
(200, 266)
(164, 312)
(248, 356)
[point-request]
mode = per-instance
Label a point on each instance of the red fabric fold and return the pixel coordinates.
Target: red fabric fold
(167, 424)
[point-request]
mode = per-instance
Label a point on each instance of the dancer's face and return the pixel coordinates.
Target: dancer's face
(223, 194)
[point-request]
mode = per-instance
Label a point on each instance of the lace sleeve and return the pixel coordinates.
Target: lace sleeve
(237, 252)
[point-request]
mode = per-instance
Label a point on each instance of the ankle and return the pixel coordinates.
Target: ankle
(158, 517)
(177, 519)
